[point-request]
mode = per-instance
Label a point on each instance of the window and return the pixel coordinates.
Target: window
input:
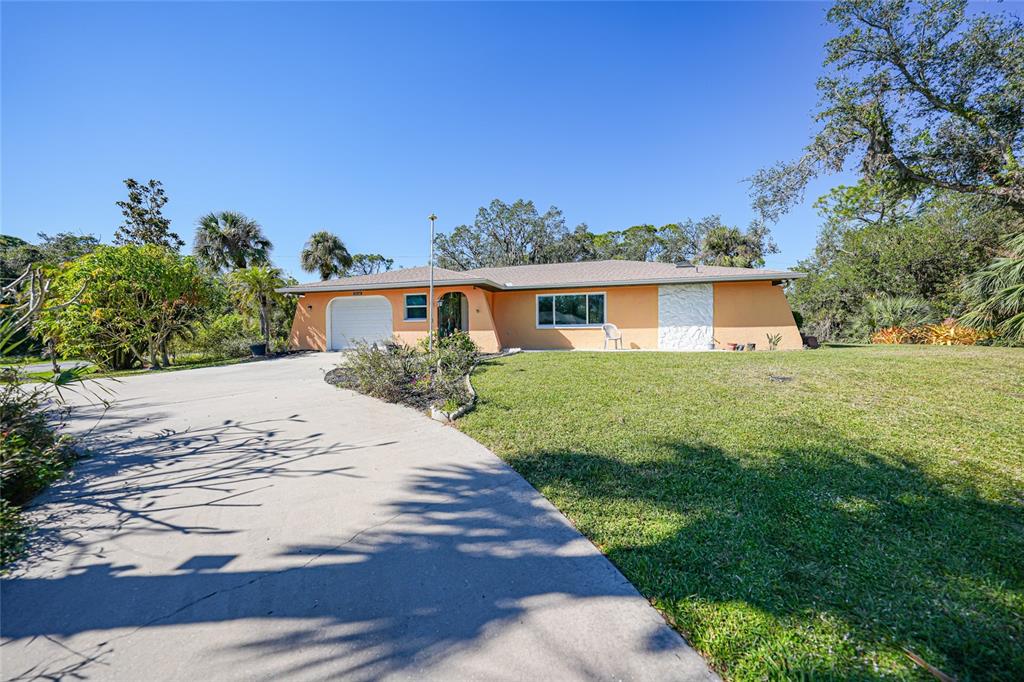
(570, 310)
(416, 306)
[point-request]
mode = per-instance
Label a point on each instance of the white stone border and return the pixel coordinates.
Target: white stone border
(440, 415)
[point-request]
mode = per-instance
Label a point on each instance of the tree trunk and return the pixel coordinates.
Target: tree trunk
(265, 324)
(52, 349)
(163, 354)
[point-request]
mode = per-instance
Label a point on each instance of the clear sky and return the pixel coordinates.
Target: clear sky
(364, 118)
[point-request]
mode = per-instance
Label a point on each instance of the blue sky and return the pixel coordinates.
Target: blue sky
(363, 118)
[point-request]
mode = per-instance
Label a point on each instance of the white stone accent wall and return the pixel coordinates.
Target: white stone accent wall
(685, 316)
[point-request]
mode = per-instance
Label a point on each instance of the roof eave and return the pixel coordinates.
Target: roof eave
(494, 286)
(413, 284)
(705, 279)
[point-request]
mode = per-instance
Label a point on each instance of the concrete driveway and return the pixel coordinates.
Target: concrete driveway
(252, 522)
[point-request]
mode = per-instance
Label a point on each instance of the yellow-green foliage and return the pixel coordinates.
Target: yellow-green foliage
(134, 300)
(949, 333)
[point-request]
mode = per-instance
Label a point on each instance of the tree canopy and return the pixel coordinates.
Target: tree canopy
(502, 234)
(370, 264)
(516, 234)
(326, 255)
(876, 248)
(255, 291)
(922, 96)
(997, 291)
(229, 240)
(17, 254)
(144, 221)
(134, 300)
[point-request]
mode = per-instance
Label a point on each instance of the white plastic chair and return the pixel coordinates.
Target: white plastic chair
(612, 333)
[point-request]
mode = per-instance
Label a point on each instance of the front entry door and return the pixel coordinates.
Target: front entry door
(452, 314)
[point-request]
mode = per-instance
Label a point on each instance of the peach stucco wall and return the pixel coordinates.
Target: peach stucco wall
(309, 325)
(634, 310)
(746, 312)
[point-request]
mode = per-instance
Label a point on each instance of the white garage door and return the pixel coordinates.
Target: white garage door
(358, 318)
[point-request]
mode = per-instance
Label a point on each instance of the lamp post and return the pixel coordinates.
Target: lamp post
(430, 298)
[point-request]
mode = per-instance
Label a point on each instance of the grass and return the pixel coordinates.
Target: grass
(180, 364)
(805, 514)
(17, 360)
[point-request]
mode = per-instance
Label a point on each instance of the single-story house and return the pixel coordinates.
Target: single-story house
(656, 306)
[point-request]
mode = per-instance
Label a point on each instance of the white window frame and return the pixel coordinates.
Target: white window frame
(536, 311)
(426, 308)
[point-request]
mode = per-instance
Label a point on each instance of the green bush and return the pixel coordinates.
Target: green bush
(12, 532)
(885, 312)
(31, 457)
(392, 372)
(132, 302)
(453, 355)
(226, 336)
(410, 375)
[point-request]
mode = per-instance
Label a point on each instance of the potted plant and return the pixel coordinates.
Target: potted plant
(773, 341)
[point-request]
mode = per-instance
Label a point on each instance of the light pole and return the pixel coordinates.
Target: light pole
(430, 298)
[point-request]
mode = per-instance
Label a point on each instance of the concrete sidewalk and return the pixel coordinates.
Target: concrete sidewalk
(252, 522)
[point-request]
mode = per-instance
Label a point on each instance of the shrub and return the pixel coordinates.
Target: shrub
(949, 333)
(997, 293)
(411, 375)
(31, 456)
(133, 302)
(886, 312)
(891, 335)
(226, 336)
(31, 453)
(454, 354)
(392, 372)
(12, 532)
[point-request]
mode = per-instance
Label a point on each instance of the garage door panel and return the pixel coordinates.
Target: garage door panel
(358, 318)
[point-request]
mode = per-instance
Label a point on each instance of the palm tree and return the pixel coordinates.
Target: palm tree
(255, 288)
(230, 241)
(325, 253)
(998, 293)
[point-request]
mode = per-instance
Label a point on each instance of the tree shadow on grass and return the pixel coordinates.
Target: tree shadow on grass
(836, 537)
(464, 551)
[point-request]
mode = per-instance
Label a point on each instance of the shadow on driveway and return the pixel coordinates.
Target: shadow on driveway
(465, 559)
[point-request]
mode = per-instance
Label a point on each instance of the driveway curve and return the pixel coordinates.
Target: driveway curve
(252, 522)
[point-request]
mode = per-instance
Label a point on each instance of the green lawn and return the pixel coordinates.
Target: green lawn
(180, 364)
(869, 500)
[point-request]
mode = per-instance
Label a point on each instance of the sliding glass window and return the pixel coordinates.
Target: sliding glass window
(570, 310)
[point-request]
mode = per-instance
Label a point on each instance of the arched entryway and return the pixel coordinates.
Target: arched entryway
(452, 313)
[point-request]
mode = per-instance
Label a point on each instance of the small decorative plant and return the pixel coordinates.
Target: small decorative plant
(773, 341)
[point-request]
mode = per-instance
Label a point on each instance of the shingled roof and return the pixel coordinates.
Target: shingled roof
(548, 276)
